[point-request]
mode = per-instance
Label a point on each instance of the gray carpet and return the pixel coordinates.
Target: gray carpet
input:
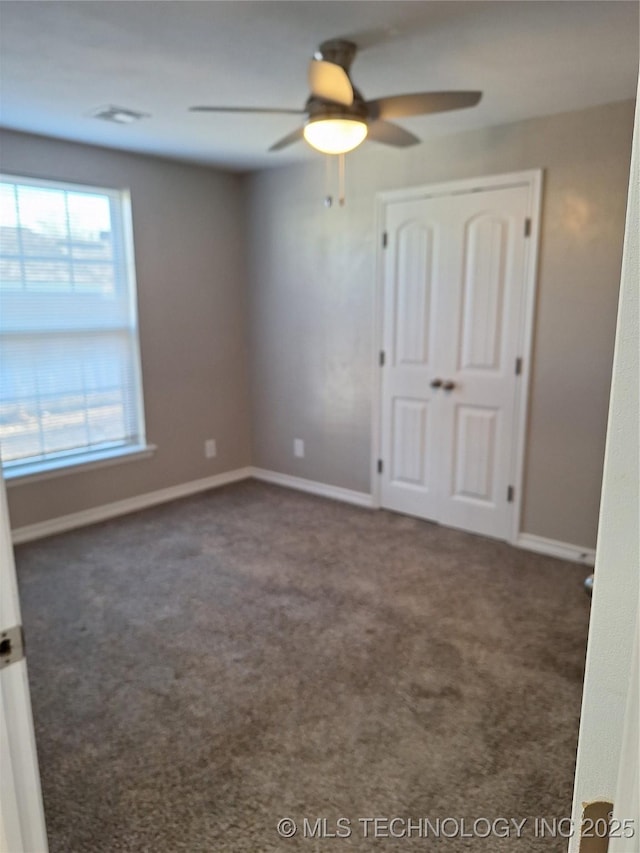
(203, 669)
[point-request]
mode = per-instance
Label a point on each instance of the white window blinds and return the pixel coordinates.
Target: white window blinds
(70, 383)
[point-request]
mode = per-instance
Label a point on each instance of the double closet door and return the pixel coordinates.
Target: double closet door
(454, 284)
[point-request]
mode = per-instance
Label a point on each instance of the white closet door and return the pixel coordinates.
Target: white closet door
(410, 437)
(482, 302)
(454, 284)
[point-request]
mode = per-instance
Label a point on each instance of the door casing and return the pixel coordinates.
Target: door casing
(22, 825)
(532, 180)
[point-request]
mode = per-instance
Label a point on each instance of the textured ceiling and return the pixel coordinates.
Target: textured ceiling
(60, 61)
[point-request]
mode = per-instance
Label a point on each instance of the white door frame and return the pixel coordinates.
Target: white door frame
(532, 179)
(22, 826)
(607, 761)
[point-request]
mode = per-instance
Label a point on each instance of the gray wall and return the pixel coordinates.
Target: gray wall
(310, 310)
(189, 245)
(311, 302)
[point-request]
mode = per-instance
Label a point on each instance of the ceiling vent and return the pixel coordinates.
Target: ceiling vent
(119, 115)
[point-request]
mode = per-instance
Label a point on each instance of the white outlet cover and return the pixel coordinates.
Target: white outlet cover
(210, 448)
(298, 448)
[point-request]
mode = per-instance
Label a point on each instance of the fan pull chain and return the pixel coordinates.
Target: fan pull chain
(328, 179)
(328, 169)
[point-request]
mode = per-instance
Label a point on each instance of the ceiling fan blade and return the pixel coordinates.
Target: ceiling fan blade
(289, 139)
(330, 82)
(421, 103)
(270, 110)
(391, 134)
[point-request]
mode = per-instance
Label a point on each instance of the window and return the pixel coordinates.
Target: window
(70, 386)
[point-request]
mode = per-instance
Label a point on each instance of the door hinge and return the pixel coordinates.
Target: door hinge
(518, 366)
(385, 239)
(11, 645)
(510, 494)
(527, 227)
(379, 466)
(381, 358)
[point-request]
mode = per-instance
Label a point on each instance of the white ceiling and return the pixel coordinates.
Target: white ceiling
(59, 61)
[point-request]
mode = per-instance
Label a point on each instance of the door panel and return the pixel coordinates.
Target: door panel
(475, 454)
(484, 249)
(409, 443)
(413, 293)
(453, 300)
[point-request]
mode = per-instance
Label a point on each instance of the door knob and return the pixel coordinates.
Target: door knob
(448, 385)
(436, 383)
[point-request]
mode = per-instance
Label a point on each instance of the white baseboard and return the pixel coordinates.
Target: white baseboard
(555, 548)
(51, 526)
(101, 513)
(313, 487)
(30, 532)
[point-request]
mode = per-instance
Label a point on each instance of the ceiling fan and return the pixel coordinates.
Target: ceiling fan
(339, 118)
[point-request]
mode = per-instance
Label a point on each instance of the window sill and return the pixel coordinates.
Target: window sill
(60, 467)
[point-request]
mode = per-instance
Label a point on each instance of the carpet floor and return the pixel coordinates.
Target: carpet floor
(203, 669)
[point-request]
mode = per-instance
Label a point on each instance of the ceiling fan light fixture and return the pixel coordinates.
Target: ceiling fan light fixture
(335, 135)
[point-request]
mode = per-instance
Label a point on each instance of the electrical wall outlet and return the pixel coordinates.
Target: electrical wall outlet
(210, 448)
(298, 448)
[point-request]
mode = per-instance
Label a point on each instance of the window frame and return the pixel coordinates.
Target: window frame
(79, 459)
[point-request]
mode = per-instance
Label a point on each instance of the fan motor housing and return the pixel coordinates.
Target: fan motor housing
(317, 108)
(339, 51)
